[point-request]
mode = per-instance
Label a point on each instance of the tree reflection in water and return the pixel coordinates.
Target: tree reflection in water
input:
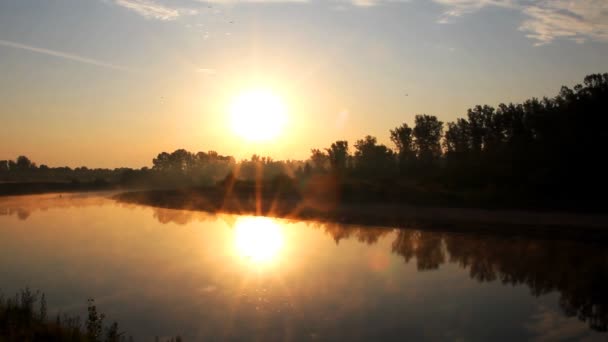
(577, 271)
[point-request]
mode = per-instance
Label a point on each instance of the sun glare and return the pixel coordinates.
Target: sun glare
(258, 239)
(258, 115)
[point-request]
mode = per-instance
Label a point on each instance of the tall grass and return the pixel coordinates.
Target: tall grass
(24, 317)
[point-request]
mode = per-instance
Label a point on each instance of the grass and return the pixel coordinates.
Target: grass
(24, 317)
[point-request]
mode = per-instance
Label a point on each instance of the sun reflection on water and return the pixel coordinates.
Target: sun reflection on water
(258, 239)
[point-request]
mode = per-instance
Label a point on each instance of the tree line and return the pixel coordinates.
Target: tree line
(22, 169)
(549, 149)
(510, 144)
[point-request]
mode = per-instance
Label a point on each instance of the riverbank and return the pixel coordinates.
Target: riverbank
(505, 222)
(35, 188)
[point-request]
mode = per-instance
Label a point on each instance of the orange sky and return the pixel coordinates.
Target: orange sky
(112, 83)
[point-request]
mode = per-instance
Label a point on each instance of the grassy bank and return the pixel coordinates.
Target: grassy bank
(24, 317)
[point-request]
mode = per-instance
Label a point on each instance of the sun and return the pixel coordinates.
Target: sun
(258, 239)
(258, 115)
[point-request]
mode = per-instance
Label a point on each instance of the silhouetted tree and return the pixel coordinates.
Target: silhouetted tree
(319, 160)
(457, 139)
(427, 138)
(403, 139)
(162, 162)
(24, 163)
(4, 166)
(338, 155)
(373, 160)
(457, 145)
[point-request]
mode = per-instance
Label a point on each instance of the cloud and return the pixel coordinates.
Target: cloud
(457, 8)
(252, 1)
(150, 9)
(545, 20)
(370, 3)
(206, 71)
(364, 3)
(166, 10)
(577, 20)
(64, 55)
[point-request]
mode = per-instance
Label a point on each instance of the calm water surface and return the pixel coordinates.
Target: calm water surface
(162, 272)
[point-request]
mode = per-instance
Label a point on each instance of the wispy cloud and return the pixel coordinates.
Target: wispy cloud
(64, 55)
(364, 3)
(369, 3)
(206, 71)
(251, 1)
(545, 20)
(578, 20)
(151, 9)
(457, 8)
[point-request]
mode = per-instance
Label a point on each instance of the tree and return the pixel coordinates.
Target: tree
(427, 138)
(338, 155)
(4, 166)
(402, 137)
(181, 160)
(23, 163)
(319, 159)
(477, 118)
(373, 160)
(161, 162)
(516, 134)
(457, 145)
(458, 139)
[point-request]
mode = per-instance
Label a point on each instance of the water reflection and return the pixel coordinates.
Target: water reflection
(334, 281)
(24, 206)
(258, 239)
(365, 234)
(578, 271)
(179, 217)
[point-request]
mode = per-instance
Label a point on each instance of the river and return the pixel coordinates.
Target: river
(161, 272)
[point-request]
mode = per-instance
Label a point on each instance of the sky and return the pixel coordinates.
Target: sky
(112, 83)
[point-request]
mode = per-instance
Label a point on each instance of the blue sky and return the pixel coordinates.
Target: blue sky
(82, 79)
